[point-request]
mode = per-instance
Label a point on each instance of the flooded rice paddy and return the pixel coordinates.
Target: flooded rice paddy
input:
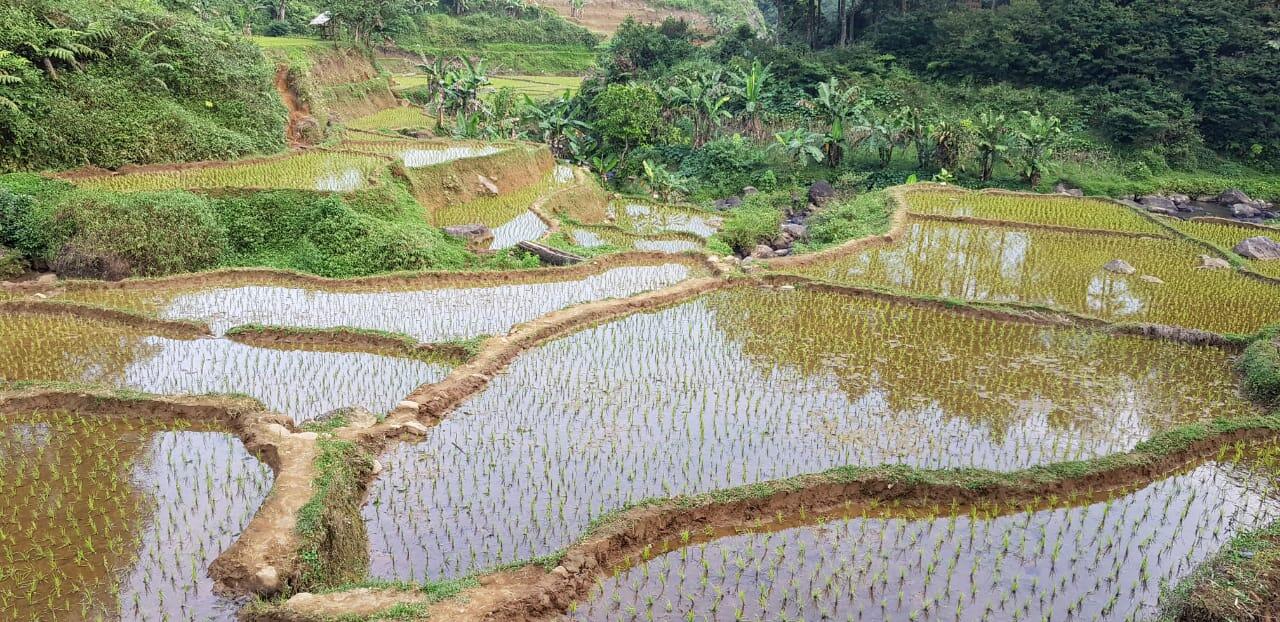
(600, 236)
(1038, 210)
(652, 219)
(427, 315)
(1102, 560)
(302, 384)
(313, 170)
(115, 519)
(1227, 236)
(745, 386)
(1062, 270)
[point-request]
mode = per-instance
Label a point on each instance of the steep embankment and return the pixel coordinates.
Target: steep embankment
(111, 84)
(321, 84)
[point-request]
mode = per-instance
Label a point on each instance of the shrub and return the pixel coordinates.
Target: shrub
(725, 165)
(754, 222)
(1261, 368)
(865, 215)
(627, 115)
(106, 235)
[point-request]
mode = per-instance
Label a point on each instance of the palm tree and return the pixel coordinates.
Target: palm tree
(751, 87)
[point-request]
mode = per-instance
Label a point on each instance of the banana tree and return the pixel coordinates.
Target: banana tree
(662, 182)
(800, 145)
(751, 88)
(553, 123)
(991, 139)
(1036, 140)
(439, 76)
(703, 96)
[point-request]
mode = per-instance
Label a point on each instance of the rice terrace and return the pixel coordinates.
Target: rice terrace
(642, 310)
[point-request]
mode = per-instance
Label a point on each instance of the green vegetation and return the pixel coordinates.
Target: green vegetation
(107, 235)
(755, 222)
(850, 219)
(332, 542)
(109, 84)
(1260, 366)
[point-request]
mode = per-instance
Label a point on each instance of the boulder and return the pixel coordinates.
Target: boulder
(1233, 196)
(796, 231)
(821, 192)
(1119, 266)
(406, 407)
(749, 190)
(477, 235)
(1261, 248)
(784, 240)
(762, 251)
(267, 580)
(353, 416)
(727, 203)
(1213, 263)
(1061, 188)
(1245, 210)
(487, 185)
(1179, 199)
(782, 252)
(1163, 203)
(1151, 278)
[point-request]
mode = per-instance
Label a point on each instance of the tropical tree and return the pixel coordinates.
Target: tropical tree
(1036, 140)
(439, 75)
(751, 87)
(554, 123)
(8, 79)
(703, 95)
(885, 132)
(991, 139)
(663, 182)
(463, 89)
(800, 145)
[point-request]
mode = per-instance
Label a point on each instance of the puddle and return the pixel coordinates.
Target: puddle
(1063, 270)
(1104, 561)
(133, 514)
(746, 386)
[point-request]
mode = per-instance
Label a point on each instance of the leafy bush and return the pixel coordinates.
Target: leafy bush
(100, 234)
(754, 222)
(641, 49)
(627, 115)
(142, 86)
(868, 214)
(725, 165)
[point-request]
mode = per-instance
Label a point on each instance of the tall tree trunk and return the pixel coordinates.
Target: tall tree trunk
(844, 24)
(282, 8)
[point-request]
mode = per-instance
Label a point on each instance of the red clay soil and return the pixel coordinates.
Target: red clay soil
(298, 110)
(269, 541)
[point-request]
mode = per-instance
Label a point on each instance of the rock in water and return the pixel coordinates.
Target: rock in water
(1119, 266)
(1153, 201)
(1261, 248)
(1233, 196)
(797, 231)
(762, 251)
(1244, 210)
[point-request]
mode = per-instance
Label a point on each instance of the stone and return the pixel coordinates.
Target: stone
(796, 231)
(414, 428)
(375, 467)
(561, 571)
(306, 436)
(300, 599)
(749, 190)
(821, 192)
(1232, 196)
(1152, 200)
(1167, 211)
(1261, 248)
(1206, 198)
(1119, 266)
(406, 407)
(275, 429)
(1213, 263)
(1244, 210)
(1062, 188)
(487, 184)
(783, 240)
(1179, 199)
(727, 203)
(762, 251)
(782, 252)
(574, 562)
(474, 233)
(787, 288)
(47, 279)
(267, 580)
(1151, 278)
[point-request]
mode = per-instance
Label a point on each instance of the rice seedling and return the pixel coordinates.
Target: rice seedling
(1226, 237)
(1072, 558)
(428, 315)
(299, 383)
(595, 236)
(538, 87)
(312, 170)
(744, 386)
(1039, 210)
(1062, 270)
(653, 218)
(399, 118)
(419, 154)
(116, 519)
